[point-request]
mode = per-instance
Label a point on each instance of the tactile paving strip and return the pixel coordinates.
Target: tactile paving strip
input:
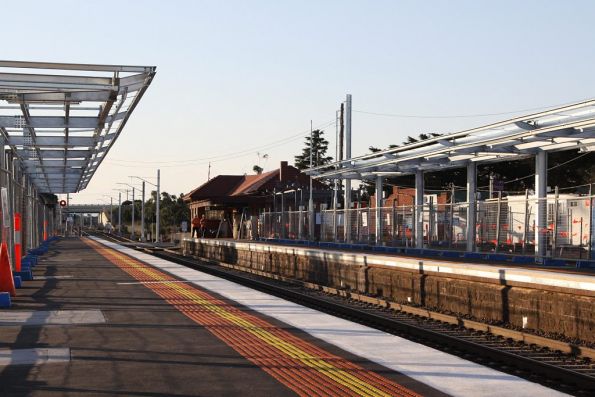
(301, 366)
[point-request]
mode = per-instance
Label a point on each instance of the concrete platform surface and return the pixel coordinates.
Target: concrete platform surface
(101, 323)
(442, 372)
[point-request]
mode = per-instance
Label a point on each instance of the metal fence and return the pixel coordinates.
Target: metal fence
(286, 225)
(506, 225)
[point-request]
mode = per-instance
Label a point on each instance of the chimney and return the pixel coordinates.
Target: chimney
(283, 171)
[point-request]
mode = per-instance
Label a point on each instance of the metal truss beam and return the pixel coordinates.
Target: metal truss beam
(61, 162)
(565, 128)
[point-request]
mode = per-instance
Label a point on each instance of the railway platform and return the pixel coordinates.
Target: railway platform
(103, 319)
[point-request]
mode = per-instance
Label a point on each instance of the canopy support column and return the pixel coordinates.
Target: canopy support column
(378, 209)
(541, 205)
(471, 205)
(419, 202)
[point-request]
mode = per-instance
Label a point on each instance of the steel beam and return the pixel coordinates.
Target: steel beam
(378, 210)
(471, 205)
(541, 205)
(419, 202)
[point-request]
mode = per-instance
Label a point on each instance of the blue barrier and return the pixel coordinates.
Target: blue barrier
(4, 300)
(473, 255)
(431, 253)
(25, 275)
(451, 254)
(30, 260)
(554, 262)
(523, 259)
(497, 257)
(380, 248)
(585, 264)
(18, 282)
(413, 251)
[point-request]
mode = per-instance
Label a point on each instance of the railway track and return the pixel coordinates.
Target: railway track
(553, 368)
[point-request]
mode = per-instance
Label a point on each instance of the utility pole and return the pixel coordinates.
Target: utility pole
(142, 216)
(120, 213)
(347, 199)
(158, 237)
(132, 231)
(209, 174)
(143, 236)
(311, 201)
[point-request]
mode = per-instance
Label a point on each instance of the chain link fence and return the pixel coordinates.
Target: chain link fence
(506, 225)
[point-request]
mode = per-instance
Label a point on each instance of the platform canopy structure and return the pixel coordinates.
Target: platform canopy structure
(568, 127)
(564, 128)
(61, 119)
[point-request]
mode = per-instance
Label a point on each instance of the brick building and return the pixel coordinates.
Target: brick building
(226, 199)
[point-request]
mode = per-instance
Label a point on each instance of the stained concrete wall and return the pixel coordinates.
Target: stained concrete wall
(565, 311)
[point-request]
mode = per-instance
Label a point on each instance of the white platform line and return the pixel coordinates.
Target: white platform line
(50, 317)
(155, 282)
(33, 356)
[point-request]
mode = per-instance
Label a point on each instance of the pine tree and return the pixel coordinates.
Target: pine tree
(319, 157)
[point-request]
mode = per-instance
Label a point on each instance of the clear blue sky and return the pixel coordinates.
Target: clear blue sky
(236, 75)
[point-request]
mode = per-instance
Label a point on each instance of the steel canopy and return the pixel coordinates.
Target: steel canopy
(62, 122)
(564, 128)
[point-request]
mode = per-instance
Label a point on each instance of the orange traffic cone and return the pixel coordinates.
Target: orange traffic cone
(6, 280)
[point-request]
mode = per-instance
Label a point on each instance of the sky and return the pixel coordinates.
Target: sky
(239, 79)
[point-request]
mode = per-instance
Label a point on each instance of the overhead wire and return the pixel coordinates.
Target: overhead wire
(222, 157)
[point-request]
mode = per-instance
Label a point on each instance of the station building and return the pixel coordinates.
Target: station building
(229, 200)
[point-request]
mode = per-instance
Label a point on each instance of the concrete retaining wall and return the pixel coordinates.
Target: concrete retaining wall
(551, 309)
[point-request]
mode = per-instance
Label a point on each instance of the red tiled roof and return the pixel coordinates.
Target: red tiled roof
(231, 185)
(252, 183)
(221, 185)
(243, 185)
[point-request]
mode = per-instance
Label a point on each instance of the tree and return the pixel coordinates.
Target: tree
(172, 208)
(257, 169)
(319, 148)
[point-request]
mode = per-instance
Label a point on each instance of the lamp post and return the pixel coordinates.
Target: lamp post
(157, 215)
(311, 200)
(120, 208)
(111, 208)
(133, 207)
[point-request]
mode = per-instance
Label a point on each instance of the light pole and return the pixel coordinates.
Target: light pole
(158, 239)
(120, 209)
(133, 209)
(111, 208)
(157, 215)
(311, 200)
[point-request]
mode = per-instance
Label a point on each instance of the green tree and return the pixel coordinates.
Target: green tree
(319, 147)
(173, 211)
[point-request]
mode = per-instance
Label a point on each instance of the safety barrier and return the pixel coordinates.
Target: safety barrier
(506, 226)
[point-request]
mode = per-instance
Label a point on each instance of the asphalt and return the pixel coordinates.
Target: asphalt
(146, 347)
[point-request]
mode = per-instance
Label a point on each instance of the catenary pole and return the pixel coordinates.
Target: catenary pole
(158, 237)
(347, 199)
(142, 216)
(311, 200)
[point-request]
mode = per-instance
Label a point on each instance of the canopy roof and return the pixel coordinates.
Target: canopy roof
(564, 128)
(61, 119)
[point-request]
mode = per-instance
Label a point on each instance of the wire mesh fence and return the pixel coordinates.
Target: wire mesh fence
(508, 225)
